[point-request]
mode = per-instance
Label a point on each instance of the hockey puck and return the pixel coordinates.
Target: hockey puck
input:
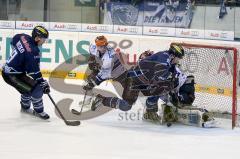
(169, 124)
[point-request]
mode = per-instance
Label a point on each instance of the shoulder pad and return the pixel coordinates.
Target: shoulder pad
(93, 49)
(111, 52)
(109, 48)
(25, 39)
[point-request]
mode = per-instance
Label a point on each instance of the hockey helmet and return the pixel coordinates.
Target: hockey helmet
(101, 41)
(176, 50)
(40, 31)
(190, 80)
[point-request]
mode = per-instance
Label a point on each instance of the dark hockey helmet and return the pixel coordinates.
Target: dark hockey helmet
(40, 31)
(190, 80)
(101, 41)
(176, 50)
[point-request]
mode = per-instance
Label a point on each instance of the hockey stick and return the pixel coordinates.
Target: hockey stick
(74, 111)
(70, 123)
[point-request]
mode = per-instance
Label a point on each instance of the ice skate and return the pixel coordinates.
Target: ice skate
(96, 102)
(32, 112)
(42, 115)
(27, 111)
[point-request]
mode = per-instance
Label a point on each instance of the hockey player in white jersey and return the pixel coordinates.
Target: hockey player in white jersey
(104, 63)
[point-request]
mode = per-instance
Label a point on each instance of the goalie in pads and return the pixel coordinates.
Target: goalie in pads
(178, 107)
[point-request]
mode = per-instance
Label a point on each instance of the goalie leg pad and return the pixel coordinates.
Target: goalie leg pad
(196, 117)
(169, 113)
(189, 117)
(152, 117)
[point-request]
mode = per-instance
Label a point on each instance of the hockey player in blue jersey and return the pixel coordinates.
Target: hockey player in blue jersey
(154, 75)
(178, 107)
(22, 71)
(182, 94)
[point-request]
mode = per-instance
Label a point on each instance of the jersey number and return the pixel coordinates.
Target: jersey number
(13, 55)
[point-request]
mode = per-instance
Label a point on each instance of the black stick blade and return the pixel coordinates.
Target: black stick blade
(73, 123)
(74, 111)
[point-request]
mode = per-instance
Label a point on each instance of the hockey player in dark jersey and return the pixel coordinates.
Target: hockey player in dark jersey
(151, 113)
(183, 93)
(154, 75)
(178, 106)
(22, 71)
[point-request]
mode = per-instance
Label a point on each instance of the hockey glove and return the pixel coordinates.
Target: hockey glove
(92, 64)
(90, 85)
(95, 67)
(92, 81)
(45, 86)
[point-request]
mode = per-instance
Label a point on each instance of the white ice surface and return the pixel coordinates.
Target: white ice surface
(105, 137)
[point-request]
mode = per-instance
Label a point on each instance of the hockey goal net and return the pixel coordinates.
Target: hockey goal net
(215, 71)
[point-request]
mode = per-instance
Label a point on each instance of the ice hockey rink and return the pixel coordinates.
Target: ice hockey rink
(114, 135)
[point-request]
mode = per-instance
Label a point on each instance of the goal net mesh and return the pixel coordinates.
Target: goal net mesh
(213, 68)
